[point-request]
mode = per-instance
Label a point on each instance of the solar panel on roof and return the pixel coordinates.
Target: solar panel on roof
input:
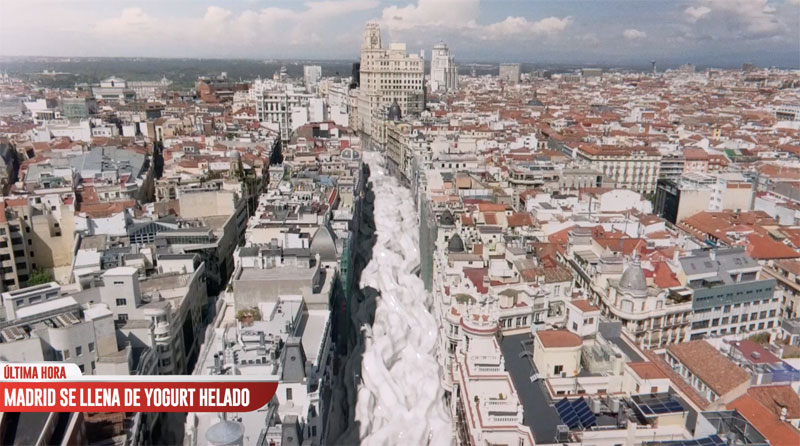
(674, 406)
(576, 413)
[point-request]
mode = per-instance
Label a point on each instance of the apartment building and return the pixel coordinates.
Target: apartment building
(42, 324)
(715, 377)
(697, 192)
(730, 293)
(163, 312)
(444, 72)
(14, 250)
(510, 72)
(387, 76)
(635, 168)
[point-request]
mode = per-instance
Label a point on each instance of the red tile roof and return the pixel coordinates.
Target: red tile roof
(558, 339)
(777, 432)
(647, 370)
(709, 365)
(584, 305)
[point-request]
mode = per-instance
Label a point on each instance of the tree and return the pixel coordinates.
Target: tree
(39, 277)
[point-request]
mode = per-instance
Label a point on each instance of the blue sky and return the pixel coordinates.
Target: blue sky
(705, 32)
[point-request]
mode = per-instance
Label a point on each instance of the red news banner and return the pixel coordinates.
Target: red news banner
(60, 387)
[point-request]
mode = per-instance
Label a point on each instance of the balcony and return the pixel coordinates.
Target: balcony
(500, 412)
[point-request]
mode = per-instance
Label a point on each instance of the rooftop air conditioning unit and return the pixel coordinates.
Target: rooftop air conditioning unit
(562, 433)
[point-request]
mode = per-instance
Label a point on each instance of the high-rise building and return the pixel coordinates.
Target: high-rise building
(510, 72)
(311, 75)
(387, 76)
(444, 73)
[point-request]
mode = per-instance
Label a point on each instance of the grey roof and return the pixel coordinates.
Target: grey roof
(720, 262)
(455, 244)
(248, 251)
(611, 332)
(324, 243)
(104, 159)
(225, 432)
(395, 114)
(485, 229)
(290, 432)
(447, 219)
(294, 361)
(633, 280)
(538, 412)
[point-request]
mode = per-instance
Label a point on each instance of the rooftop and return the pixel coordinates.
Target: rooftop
(709, 365)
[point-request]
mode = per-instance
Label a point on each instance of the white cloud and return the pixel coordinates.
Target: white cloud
(460, 21)
(431, 13)
(221, 30)
(695, 13)
(130, 21)
(634, 34)
(748, 19)
(520, 26)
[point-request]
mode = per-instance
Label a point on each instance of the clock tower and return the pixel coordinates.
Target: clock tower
(372, 37)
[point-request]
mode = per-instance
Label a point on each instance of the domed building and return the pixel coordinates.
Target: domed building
(323, 243)
(394, 113)
(226, 433)
(455, 244)
(648, 316)
(633, 282)
(447, 218)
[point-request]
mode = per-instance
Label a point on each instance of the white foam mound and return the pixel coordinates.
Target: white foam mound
(400, 400)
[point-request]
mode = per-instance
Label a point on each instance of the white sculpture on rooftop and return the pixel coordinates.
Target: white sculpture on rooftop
(401, 398)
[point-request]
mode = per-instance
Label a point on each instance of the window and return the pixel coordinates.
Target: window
(91, 346)
(79, 351)
(121, 302)
(66, 354)
(558, 369)
(288, 393)
(122, 317)
(80, 366)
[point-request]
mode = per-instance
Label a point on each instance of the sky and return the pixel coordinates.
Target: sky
(703, 32)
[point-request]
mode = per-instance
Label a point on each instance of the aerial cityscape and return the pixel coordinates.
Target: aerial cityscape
(429, 222)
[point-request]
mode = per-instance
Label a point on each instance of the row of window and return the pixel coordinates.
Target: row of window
(744, 305)
(63, 355)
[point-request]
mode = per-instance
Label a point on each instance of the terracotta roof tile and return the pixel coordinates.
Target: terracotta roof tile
(709, 365)
(558, 338)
